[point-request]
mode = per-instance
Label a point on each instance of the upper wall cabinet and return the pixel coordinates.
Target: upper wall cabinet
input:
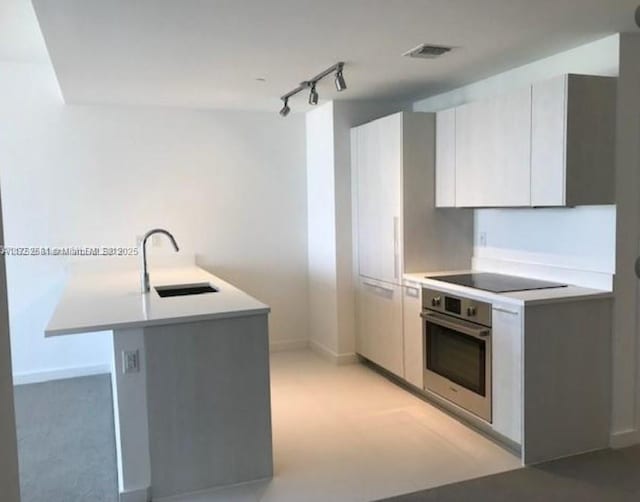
(573, 141)
(551, 144)
(446, 158)
(493, 148)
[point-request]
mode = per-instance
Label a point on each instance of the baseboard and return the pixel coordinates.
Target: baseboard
(335, 358)
(138, 495)
(291, 344)
(624, 438)
(60, 374)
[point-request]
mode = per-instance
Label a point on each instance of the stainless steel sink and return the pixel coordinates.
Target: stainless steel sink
(185, 289)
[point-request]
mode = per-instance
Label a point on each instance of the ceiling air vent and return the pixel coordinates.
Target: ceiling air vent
(427, 51)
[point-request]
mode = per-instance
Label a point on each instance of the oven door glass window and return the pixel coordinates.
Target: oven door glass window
(457, 357)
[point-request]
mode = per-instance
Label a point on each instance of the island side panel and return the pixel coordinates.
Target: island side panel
(130, 418)
(209, 404)
(567, 379)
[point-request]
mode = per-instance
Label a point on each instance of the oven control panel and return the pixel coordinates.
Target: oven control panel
(464, 308)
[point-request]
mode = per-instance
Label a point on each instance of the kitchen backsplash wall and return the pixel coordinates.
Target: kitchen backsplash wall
(575, 245)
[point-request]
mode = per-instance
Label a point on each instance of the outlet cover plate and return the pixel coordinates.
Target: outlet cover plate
(130, 361)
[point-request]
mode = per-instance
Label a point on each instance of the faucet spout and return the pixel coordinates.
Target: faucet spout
(143, 248)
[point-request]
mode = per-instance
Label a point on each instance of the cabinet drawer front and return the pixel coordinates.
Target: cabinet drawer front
(379, 324)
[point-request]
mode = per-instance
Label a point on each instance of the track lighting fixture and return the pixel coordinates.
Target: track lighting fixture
(285, 108)
(313, 95)
(311, 85)
(341, 85)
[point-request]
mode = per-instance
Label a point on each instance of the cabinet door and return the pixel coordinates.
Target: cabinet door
(378, 162)
(413, 336)
(493, 149)
(379, 324)
(507, 371)
(446, 158)
(548, 140)
(365, 153)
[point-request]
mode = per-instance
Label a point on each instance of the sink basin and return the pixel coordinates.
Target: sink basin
(185, 289)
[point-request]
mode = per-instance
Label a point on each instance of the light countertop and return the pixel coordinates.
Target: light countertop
(107, 300)
(520, 298)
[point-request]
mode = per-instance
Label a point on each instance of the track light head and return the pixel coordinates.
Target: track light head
(311, 85)
(341, 85)
(285, 108)
(313, 94)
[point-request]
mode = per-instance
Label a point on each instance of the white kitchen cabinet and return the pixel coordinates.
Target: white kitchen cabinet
(413, 349)
(379, 317)
(573, 141)
(549, 144)
(378, 155)
(507, 335)
(397, 228)
(446, 158)
(493, 150)
(566, 378)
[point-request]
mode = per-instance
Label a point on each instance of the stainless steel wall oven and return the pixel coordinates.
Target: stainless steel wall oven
(457, 341)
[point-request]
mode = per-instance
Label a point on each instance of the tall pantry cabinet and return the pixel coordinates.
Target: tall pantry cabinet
(397, 229)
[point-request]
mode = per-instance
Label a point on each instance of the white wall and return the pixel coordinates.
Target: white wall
(576, 245)
(573, 244)
(231, 186)
(323, 314)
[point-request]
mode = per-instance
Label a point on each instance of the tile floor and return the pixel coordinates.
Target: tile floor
(348, 434)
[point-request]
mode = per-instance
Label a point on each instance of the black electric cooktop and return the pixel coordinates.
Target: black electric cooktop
(497, 283)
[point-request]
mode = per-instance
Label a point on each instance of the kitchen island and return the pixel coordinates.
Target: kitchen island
(190, 377)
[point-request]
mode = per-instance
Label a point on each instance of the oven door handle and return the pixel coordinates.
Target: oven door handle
(479, 332)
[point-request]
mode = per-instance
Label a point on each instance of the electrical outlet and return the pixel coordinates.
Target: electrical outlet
(483, 239)
(130, 361)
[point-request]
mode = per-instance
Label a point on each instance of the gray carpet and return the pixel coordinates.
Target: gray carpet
(604, 476)
(66, 441)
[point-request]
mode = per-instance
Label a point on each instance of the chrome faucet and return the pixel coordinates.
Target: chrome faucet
(143, 248)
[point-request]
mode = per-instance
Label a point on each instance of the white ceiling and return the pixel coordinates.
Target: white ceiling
(20, 37)
(209, 53)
